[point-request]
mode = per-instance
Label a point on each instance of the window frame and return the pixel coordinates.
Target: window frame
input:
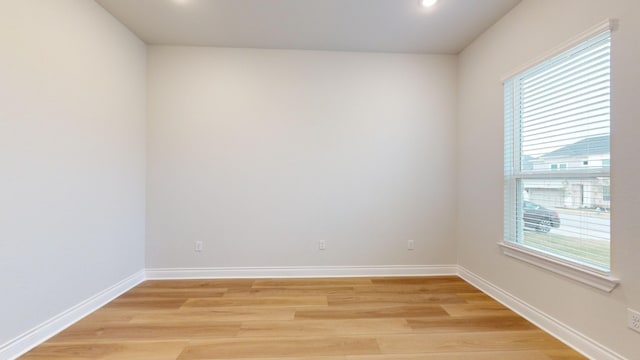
(585, 274)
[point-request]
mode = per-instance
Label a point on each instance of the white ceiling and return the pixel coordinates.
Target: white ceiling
(343, 25)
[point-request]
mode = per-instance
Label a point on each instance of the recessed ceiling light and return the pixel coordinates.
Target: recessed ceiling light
(428, 3)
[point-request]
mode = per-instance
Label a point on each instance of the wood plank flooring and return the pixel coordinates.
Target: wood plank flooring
(409, 318)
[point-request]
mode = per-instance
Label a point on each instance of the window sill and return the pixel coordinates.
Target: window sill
(559, 266)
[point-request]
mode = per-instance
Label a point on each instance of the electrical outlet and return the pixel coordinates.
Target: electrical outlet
(411, 245)
(322, 245)
(633, 320)
(197, 246)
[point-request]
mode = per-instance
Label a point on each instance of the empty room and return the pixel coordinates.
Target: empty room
(319, 180)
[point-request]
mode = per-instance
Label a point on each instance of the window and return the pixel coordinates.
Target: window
(557, 116)
(558, 166)
(606, 193)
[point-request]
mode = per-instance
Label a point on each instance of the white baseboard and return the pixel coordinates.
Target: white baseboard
(49, 328)
(300, 272)
(562, 332)
(42, 332)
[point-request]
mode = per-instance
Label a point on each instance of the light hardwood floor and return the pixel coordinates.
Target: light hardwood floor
(409, 318)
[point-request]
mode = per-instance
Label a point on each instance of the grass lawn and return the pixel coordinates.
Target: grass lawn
(592, 252)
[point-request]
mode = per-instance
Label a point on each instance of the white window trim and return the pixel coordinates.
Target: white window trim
(588, 276)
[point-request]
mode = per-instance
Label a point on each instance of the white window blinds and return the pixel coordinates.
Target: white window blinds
(557, 155)
(566, 101)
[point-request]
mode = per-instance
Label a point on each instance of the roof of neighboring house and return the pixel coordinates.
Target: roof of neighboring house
(527, 162)
(588, 146)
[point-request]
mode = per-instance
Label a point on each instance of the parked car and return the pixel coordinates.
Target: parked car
(539, 218)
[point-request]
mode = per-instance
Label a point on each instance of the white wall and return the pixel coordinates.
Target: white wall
(72, 157)
(529, 31)
(262, 153)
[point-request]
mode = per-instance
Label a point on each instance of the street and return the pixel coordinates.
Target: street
(583, 225)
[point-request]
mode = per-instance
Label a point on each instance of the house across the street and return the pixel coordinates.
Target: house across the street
(590, 154)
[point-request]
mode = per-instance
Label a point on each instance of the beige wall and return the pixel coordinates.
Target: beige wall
(262, 153)
(529, 31)
(72, 157)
